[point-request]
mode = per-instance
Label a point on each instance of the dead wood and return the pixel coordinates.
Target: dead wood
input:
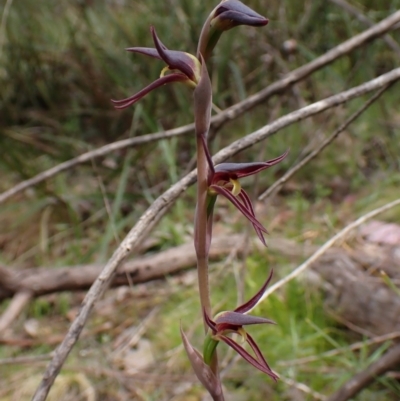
(355, 290)
(13, 310)
(350, 279)
(388, 361)
(41, 281)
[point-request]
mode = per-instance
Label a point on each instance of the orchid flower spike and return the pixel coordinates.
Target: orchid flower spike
(224, 181)
(232, 322)
(227, 15)
(183, 67)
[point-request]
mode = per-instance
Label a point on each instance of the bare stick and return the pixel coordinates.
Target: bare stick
(340, 235)
(31, 359)
(305, 112)
(303, 388)
(361, 380)
(41, 281)
(150, 218)
(365, 20)
(304, 71)
(89, 156)
(353, 347)
(15, 307)
(290, 173)
(229, 114)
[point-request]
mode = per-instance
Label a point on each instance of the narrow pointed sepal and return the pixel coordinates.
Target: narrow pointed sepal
(224, 180)
(203, 372)
(252, 302)
(232, 318)
(181, 67)
(260, 365)
(177, 60)
(148, 51)
(240, 170)
(123, 103)
(244, 208)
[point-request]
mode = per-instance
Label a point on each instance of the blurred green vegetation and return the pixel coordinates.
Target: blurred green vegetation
(61, 63)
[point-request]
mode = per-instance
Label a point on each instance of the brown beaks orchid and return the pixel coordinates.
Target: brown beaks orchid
(227, 15)
(233, 322)
(231, 13)
(224, 181)
(183, 67)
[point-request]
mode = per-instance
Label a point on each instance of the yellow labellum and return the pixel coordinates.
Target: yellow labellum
(164, 70)
(236, 187)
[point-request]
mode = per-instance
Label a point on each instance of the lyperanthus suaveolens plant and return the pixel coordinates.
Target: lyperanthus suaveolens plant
(222, 179)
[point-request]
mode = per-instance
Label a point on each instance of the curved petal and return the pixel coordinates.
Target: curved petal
(211, 324)
(176, 77)
(148, 51)
(239, 170)
(247, 202)
(177, 60)
(249, 358)
(257, 352)
(234, 318)
(243, 209)
(253, 301)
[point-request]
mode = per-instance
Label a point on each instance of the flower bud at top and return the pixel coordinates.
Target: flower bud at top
(228, 14)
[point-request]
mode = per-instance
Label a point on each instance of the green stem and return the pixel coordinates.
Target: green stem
(209, 348)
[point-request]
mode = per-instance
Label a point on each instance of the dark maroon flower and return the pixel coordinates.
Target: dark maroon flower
(224, 181)
(231, 13)
(184, 67)
(227, 15)
(232, 322)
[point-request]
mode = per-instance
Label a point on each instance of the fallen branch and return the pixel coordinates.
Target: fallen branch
(337, 351)
(290, 173)
(366, 21)
(42, 281)
(303, 388)
(324, 248)
(151, 217)
(31, 359)
(361, 380)
(15, 307)
(229, 114)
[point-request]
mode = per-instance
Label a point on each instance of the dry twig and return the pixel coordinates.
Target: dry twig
(339, 236)
(337, 351)
(15, 307)
(41, 281)
(31, 359)
(361, 380)
(303, 388)
(290, 173)
(366, 21)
